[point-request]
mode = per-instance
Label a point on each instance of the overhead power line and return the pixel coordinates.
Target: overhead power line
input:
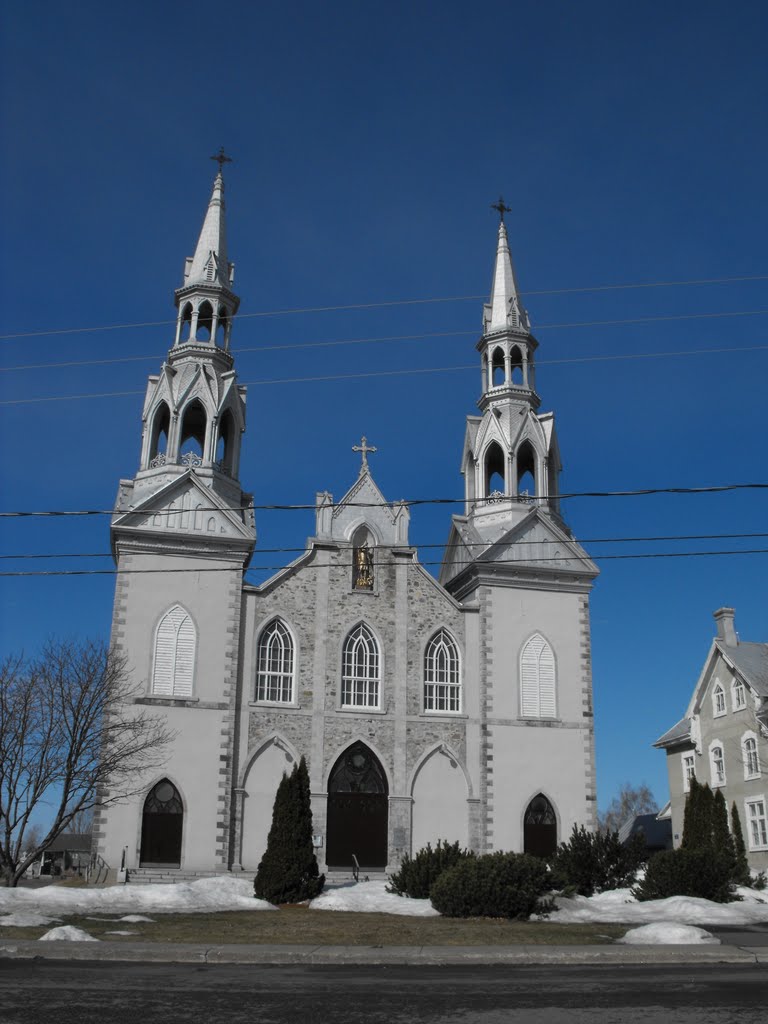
(343, 565)
(423, 547)
(531, 500)
(393, 302)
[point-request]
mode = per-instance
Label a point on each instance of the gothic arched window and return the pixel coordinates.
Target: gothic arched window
(442, 681)
(275, 663)
(516, 366)
(174, 662)
(526, 473)
(751, 756)
(540, 827)
(225, 447)
(497, 367)
(537, 679)
(717, 763)
(495, 476)
(194, 425)
(204, 322)
(161, 425)
(360, 669)
(161, 826)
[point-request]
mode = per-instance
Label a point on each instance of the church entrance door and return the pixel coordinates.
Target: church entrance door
(358, 810)
(161, 826)
(540, 827)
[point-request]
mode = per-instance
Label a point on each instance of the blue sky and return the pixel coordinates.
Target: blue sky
(369, 141)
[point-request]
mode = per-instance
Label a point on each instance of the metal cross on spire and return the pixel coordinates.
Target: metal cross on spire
(365, 448)
(501, 207)
(221, 158)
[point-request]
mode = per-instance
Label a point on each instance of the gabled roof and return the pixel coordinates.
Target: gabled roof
(677, 734)
(751, 662)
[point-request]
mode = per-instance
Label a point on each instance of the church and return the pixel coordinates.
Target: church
(457, 708)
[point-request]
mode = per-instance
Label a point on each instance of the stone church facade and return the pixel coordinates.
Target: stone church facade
(458, 708)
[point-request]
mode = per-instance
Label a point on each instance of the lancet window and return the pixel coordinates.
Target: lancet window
(275, 664)
(174, 660)
(442, 680)
(361, 668)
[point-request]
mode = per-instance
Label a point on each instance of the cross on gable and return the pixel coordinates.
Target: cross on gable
(364, 448)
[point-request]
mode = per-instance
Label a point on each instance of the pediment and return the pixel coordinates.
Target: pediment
(184, 507)
(537, 541)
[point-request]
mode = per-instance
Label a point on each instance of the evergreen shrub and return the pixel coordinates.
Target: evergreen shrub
(511, 885)
(288, 872)
(592, 862)
(741, 873)
(419, 873)
(687, 872)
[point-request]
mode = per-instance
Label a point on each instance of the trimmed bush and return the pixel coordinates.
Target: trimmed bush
(419, 873)
(592, 862)
(288, 871)
(686, 872)
(511, 885)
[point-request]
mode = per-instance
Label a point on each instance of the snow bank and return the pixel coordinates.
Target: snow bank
(26, 919)
(204, 895)
(67, 932)
(665, 934)
(371, 897)
(620, 906)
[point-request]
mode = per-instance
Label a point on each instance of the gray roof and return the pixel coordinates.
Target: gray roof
(71, 842)
(677, 734)
(751, 661)
(657, 834)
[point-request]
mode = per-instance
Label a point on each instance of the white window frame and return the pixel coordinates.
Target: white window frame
(538, 679)
(756, 825)
(173, 670)
(718, 776)
(275, 677)
(718, 700)
(738, 695)
(751, 758)
(442, 675)
(688, 760)
(361, 665)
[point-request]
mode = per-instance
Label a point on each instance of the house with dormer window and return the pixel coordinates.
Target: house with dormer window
(723, 738)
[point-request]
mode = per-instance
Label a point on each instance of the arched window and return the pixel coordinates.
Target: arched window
(540, 827)
(360, 669)
(718, 700)
(274, 667)
(739, 695)
(193, 428)
(225, 447)
(717, 763)
(516, 366)
(204, 321)
(750, 756)
(221, 328)
(174, 661)
(442, 682)
(495, 475)
(186, 322)
(497, 367)
(526, 473)
(159, 437)
(537, 679)
(161, 826)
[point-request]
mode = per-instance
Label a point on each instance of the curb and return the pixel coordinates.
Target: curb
(413, 956)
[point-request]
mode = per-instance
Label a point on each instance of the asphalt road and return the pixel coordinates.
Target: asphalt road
(37, 991)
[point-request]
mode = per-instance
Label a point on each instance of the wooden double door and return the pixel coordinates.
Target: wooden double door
(358, 810)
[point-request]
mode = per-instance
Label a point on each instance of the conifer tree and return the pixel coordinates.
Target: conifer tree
(722, 840)
(741, 872)
(707, 817)
(288, 872)
(692, 816)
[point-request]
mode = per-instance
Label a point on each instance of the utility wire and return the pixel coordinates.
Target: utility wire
(532, 500)
(447, 547)
(395, 302)
(348, 565)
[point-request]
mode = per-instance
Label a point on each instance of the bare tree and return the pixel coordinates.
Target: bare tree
(72, 739)
(631, 800)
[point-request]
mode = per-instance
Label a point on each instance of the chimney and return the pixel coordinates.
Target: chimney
(725, 628)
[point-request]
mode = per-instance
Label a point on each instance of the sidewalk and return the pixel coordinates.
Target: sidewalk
(154, 952)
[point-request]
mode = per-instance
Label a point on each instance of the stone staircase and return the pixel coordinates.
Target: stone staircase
(344, 876)
(167, 876)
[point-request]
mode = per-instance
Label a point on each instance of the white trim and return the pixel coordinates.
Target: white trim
(275, 621)
(376, 677)
(716, 782)
(538, 680)
(686, 778)
(746, 738)
(738, 686)
(449, 686)
(718, 691)
(174, 657)
(749, 821)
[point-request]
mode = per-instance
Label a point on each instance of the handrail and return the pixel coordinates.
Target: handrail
(355, 868)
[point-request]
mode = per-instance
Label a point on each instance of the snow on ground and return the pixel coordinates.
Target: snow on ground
(619, 905)
(67, 932)
(26, 919)
(370, 897)
(665, 934)
(206, 895)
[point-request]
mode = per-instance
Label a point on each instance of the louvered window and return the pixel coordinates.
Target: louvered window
(174, 662)
(537, 679)
(360, 669)
(442, 684)
(274, 670)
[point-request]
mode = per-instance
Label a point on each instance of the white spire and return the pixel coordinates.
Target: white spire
(210, 265)
(505, 310)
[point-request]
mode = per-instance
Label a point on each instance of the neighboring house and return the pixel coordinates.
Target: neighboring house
(458, 709)
(655, 829)
(68, 854)
(723, 738)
